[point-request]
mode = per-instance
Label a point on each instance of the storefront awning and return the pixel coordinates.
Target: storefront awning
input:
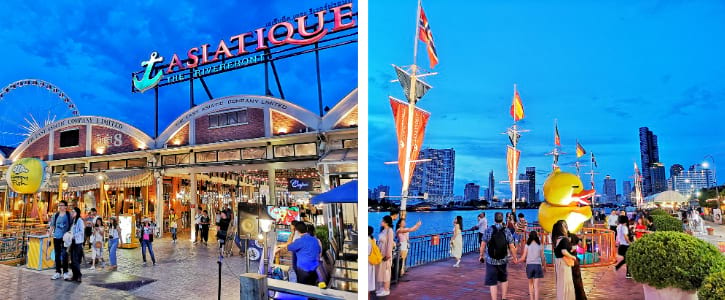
(116, 179)
(340, 156)
(346, 193)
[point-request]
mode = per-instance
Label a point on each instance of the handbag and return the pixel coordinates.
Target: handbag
(567, 260)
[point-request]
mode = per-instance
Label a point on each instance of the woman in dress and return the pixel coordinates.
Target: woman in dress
(403, 238)
(114, 232)
(97, 242)
(386, 243)
(457, 240)
(564, 280)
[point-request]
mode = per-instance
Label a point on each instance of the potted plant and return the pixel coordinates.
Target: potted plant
(672, 265)
(713, 288)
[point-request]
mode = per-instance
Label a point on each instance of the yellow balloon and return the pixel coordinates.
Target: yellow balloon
(26, 176)
(559, 190)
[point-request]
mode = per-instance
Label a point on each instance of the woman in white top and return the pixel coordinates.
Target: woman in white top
(534, 256)
(622, 243)
(457, 240)
(386, 243)
(97, 242)
(114, 232)
(76, 248)
(403, 238)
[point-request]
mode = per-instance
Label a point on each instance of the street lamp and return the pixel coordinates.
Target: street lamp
(706, 165)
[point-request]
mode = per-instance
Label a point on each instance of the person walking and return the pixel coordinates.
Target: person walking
(222, 227)
(521, 227)
(60, 223)
(197, 225)
(622, 243)
(403, 238)
(497, 243)
(457, 240)
(576, 271)
(563, 261)
(97, 243)
(534, 257)
(173, 226)
(114, 232)
(386, 242)
(482, 226)
(205, 221)
(147, 239)
(613, 220)
(371, 267)
(76, 245)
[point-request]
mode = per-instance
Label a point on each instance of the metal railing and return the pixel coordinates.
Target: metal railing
(434, 247)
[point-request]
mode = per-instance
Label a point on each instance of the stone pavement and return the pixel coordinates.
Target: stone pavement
(718, 234)
(182, 271)
(441, 281)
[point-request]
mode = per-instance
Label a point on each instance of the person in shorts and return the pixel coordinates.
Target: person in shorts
(496, 267)
(534, 257)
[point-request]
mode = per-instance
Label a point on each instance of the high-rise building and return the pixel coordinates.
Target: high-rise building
(435, 177)
(610, 189)
(491, 186)
(471, 191)
(653, 172)
(695, 178)
(522, 189)
(486, 194)
(531, 177)
(381, 188)
(676, 170)
(627, 190)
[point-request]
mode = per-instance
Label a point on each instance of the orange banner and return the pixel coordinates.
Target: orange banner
(512, 162)
(420, 119)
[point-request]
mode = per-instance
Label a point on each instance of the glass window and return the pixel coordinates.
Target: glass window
(98, 166)
(168, 160)
(229, 155)
(232, 116)
(213, 121)
(284, 151)
(70, 138)
(209, 156)
(254, 153)
(117, 164)
(347, 144)
(182, 159)
(136, 163)
(242, 116)
(308, 149)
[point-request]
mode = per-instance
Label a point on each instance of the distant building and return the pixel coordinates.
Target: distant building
(676, 170)
(471, 191)
(695, 178)
(659, 179)
(486, 193)
(491, 187)
(610, 189)
(627, 190)
(435, 177)
(522, 189)
(370, 194)
(378, 190)
(653, 172)
(531, 177)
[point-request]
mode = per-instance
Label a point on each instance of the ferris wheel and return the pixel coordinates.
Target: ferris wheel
(28, 105)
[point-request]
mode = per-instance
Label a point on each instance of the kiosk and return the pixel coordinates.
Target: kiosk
(40, 253)
(127, 224)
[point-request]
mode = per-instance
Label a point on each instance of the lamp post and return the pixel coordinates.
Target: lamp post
(705, 164)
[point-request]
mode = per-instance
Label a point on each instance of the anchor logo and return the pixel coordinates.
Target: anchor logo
(147, 81)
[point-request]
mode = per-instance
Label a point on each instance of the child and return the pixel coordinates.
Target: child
(97, 243)
(534, 256)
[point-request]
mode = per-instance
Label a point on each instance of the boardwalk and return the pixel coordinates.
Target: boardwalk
(441, 281)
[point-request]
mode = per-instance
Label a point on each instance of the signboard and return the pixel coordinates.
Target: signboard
(717, 216)
(284, 215)
(241, 50)
(299, 185)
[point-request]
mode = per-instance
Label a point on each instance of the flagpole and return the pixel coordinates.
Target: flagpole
(555, 153)
(594, 199)
(411, 111)
(516, 164)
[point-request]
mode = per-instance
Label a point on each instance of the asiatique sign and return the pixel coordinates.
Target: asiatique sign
(286, 32)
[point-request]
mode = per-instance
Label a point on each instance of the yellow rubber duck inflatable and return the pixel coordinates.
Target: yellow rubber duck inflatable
(563, 192)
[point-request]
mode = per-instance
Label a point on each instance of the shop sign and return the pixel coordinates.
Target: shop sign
(300, 185)
(286, 32)
(26, 175)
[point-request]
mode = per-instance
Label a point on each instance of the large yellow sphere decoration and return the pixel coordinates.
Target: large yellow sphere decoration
(26, 176)
(563, 192)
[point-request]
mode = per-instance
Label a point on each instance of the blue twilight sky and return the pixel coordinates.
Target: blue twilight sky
(602, 68)
(90, 50)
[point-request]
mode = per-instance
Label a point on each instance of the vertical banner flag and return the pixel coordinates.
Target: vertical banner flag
(517, 108)
(580, 150)
(404, 78)
(557, 139)
(594, 161)
(512, 161)
(420, 119)
(426, 36)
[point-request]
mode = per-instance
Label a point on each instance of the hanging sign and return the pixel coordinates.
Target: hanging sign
(300, 185)
(26, 176)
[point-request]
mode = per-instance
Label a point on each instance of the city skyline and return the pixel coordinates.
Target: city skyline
(617, 71)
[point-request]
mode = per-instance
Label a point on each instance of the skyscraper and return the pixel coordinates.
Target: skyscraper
(653, 172)
(491, 186)
(627, 190)
(436, 176)
(531, 177)
(522, 189)
(381, 188)
(471, 191)
(695, 178)
(610, 189)
(676, 170)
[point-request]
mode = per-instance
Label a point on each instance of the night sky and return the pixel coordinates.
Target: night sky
(602, 69)
(90, 50)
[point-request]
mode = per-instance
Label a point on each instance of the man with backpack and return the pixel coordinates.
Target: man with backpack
(60, 223)
(495, 246)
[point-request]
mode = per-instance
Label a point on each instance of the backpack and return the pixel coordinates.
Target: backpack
(375, 257)
(497, 245)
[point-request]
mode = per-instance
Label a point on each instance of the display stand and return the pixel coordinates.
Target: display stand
(40, 253)
(128, 239)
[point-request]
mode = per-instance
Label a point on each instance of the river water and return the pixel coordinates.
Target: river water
(442, 221)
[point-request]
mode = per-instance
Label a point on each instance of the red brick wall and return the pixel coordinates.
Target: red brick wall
(253, 129)
(70, 152)
(128, 143)
(348, 120)
(182, 137)
(38, 149)
(282, 122)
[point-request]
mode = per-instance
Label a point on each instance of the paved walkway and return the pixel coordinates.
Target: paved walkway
(441, 281)
(718, 234)
(182, 271)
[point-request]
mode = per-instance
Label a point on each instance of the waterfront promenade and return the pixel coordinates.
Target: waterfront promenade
(439, 280)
